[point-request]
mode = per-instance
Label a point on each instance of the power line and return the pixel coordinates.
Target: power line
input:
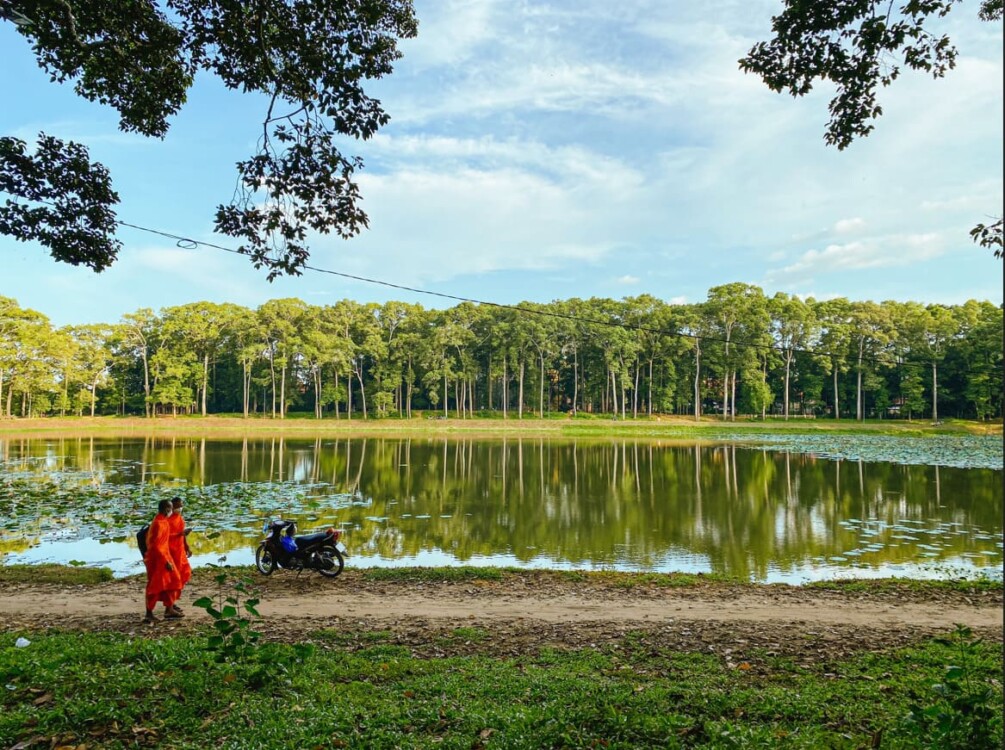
(188, 243)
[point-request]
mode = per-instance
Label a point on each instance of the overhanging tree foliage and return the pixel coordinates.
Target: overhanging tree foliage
(860, 46)
(309, 57)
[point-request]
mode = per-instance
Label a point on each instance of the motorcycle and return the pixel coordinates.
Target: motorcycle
(282, 548)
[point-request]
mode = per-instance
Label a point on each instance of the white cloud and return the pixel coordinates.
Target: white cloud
(861, 255)
(450, 32)
(627, 279)
(848, 226)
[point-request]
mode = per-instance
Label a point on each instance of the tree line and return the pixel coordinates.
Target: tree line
(739, 352)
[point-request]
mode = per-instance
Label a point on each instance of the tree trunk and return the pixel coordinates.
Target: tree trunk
(488, 383)
(94, 394)
(348, 400)
(147, 411)
(764, 376)
(282, 395)
(697, 380)
(575, 379)
(272, 373)
(247, 392)
(408, 389)
(837, 409)
(505, 390)
(935, 392)
(362, 389)
(520, 404)
(317, 392)
(725, 396)
(859, 399)
(650, 387)
(540, 397)
(635, 392)
(732, 400)
(445, 415)
(62, 405)
(788, 363)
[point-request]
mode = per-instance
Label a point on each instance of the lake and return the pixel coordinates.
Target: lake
(756, 510)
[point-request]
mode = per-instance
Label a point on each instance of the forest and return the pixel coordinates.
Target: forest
(739, 353)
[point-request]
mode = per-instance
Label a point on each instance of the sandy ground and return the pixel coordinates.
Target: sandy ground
(524, 613)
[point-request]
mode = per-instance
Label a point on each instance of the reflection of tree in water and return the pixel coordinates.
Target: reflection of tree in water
(602, 502)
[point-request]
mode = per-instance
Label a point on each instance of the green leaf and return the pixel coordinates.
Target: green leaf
(954, 673)
(229, 611)
(203, 603)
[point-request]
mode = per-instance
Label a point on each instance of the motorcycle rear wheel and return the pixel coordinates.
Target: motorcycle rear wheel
(332, 561)
(264, 559)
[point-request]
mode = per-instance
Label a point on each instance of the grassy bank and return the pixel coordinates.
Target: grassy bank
(503, 577)
(106, 691)
(559, 425)
(65, 575)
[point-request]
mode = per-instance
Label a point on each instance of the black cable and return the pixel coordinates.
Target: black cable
(188, 243)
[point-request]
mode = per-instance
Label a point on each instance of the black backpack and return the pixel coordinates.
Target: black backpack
(141, 539)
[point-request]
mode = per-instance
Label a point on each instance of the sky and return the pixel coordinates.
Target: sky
(548, 150)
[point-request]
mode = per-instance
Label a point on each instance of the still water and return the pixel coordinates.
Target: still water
(756, 513)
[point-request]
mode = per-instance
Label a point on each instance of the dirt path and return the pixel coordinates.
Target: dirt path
(526, 612)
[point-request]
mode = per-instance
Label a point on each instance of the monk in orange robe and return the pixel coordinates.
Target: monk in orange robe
(178, 545)
(163, 581)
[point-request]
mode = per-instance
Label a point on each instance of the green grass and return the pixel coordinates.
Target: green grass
(51, 573)
(110, 692)
(488, 423)
(434, 575)
(975, 585)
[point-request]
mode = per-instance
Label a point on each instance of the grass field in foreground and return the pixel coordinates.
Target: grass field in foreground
(106, 691)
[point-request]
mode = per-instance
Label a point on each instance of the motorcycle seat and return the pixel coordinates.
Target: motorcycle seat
(308, 539)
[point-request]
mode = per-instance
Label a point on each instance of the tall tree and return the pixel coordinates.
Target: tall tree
(835, 317)
(872, 332)
(92, 355)
(739, 316)
(138, 329)
(793, 326)
(934, 327)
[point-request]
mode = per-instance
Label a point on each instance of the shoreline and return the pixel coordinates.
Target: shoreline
(562, 427)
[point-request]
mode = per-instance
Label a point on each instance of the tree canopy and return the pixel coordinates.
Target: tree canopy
(737, 353)
(310, 58)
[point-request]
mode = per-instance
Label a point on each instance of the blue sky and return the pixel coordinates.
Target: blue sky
(546, 150)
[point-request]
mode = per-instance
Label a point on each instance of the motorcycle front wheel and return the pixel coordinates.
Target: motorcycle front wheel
(332, 561)
(264, 560)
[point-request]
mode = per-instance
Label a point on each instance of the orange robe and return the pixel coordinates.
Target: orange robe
(177, 547)
(163, 585)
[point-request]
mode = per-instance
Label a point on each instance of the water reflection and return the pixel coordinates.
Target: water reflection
(621, 504)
